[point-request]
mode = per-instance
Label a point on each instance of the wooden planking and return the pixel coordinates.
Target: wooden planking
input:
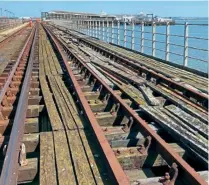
(165, 69)
(28, 172)
(62, 105)
(64, 163)
(75, 163)
(91, 156)
(47, 160)
(50, 105)
(193, 122)
(82, 167)
(65, 94)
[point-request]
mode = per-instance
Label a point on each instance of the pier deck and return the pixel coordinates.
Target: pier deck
(77, 110)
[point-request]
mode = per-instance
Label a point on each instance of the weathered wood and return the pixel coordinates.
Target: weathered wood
(31, 125)
(64, 164)
(105, 118)
(92, 95)
(47, 160)
(31, 142)
(177, 131)
(191, 121)
(117, 137)
(130, 158)
(136, 174)
(34, 110)
(97, 105)
(28, 173)
(50, 106)
(80, 161)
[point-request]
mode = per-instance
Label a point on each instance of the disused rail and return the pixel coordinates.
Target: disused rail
(164, 149)
(15, 152)
(150, 72)
(116, 169)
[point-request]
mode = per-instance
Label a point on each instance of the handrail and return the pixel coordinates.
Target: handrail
(151, 35)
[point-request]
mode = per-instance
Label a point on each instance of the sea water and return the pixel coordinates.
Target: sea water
(194, 31)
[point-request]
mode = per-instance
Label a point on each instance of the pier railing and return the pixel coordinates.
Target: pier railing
(186, 47)
(6, 23)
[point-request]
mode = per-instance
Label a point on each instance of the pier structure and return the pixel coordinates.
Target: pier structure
(108, 29)
(78, 108)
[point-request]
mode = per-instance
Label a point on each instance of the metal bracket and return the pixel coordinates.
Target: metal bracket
(106, 98)
(115, 108)
(4, 150)
(128, 125)
(22, 155)
(166, 180)
(143, 148)
(100, 88)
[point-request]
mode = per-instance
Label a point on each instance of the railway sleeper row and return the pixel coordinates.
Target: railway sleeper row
(178, 115)
(118, 127)
(68, 152)
(146, 71)
(16, 72)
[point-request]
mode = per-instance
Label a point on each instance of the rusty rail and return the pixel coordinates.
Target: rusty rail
(11, 74)
(164, 149)
(9, 172)
(151, 72)
(160, 78)
(117, 171)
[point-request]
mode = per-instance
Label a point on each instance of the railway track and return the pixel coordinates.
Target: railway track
(75, 110)
(184, 82)
(11, 46)
(77, 158)
(18, 108)
(122, 116)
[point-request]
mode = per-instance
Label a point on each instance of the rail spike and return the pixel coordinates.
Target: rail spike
(143, 148)
(128, 125)
(115, 109)
(106, 98)
(22, 155)
(167, 180)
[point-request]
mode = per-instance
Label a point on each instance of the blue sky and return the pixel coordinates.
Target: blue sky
(160, 8)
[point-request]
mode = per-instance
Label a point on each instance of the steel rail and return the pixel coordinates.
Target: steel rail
(10, 37)
(113, 163)
(9, 174)
(164, 149)
(195, 94)
(9, 79)
(115, 77)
